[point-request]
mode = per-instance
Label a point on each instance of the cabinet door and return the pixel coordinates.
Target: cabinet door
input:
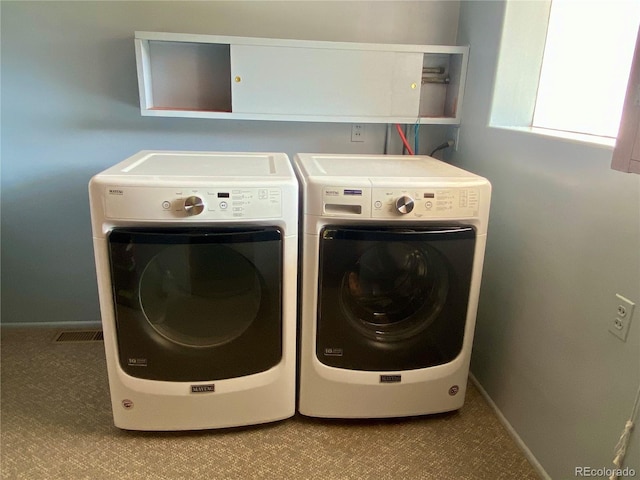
(324, 81)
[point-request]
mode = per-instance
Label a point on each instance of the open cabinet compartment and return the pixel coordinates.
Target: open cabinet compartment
(441, 85)
(185, 76)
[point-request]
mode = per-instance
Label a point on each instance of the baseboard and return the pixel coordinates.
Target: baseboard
(54, 325)
(527, 453)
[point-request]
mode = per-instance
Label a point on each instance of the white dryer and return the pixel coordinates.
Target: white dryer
(196, 258)
(393, 248)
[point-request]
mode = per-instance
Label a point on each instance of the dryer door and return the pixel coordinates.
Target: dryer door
(393, 299)
(197, 304)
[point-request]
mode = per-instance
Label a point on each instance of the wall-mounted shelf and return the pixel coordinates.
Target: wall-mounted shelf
(210, 76)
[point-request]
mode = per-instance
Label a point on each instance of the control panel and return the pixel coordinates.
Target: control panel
(394, 202)
(434, 202)
(172, 203)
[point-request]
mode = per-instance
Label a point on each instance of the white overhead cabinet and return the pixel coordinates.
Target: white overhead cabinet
(206, 76)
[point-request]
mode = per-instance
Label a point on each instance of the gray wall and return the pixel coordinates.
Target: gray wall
(564, 238)
(70, 109)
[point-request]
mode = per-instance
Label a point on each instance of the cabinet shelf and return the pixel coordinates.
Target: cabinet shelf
(244, 78)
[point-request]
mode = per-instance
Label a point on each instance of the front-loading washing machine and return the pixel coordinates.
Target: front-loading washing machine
(196, 256)
(393, 249)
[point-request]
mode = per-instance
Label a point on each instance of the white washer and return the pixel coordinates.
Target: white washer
(196, 257)
(393, 248)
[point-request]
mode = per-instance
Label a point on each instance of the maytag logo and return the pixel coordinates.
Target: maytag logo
(115, 191)
(390, 378)
(203, 388)
(332, 193)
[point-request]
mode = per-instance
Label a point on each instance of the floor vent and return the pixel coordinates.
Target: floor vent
(78, 336)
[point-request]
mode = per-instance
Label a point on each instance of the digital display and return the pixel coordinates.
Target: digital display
(429, 195)
(223, 195)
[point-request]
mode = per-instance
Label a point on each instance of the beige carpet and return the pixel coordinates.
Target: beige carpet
(56, 424)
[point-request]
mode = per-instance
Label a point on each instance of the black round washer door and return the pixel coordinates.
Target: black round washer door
(196, 304)
(392, 298)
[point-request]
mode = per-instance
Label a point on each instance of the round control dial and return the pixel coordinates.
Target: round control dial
(404, 204)
(193, 205)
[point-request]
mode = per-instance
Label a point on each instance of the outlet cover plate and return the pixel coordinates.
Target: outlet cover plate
(621, 317)
(357, 132)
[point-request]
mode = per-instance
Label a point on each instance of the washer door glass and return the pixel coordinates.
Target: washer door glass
(200, 295)
(197, 303)
(393, 298)
(394, 290)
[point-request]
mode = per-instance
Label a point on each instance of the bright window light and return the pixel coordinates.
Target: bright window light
(586, 65)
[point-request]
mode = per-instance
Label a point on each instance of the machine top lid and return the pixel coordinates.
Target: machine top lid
(378, 167)
(202, 164)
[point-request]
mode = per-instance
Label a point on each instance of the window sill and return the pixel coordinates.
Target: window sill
(581, 138)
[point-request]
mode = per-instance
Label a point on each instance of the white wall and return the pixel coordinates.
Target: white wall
(70, 109)
(564, 238)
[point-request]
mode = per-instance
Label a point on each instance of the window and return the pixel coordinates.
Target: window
(564, 65)
(585, 67)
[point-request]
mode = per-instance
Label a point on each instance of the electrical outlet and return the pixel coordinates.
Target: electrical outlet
(357, 132)
(619, 324)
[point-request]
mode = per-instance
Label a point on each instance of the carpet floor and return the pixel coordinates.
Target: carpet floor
(56, 424)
